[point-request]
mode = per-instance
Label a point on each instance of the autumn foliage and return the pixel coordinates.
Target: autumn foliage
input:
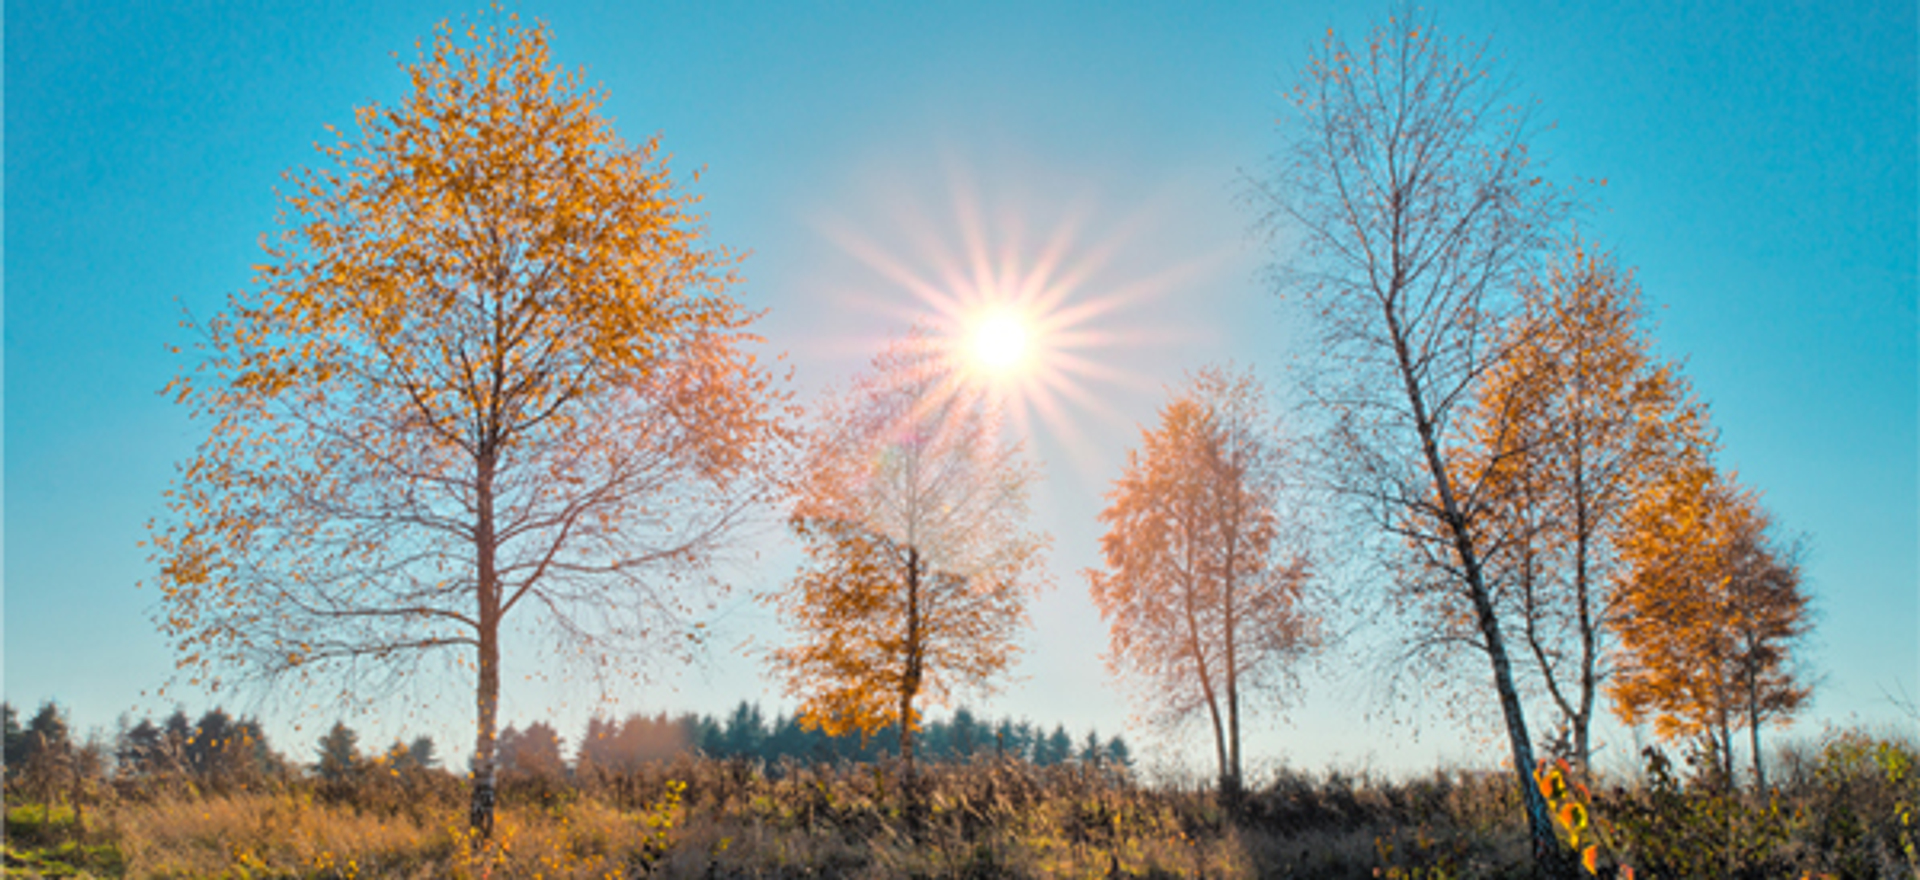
(491, 369)
(1576, 420)
(1713, 610)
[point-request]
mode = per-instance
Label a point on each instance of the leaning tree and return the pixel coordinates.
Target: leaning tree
(489, 369)
(1416, 210)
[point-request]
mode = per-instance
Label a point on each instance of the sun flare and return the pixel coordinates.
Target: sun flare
(1001, 343)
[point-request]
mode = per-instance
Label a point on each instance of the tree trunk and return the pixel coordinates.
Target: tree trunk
(1546, 846)
(909, 688)
(1233, 779)
(1753, 730)
(480, 813)
(1229, 481)
(487, 692)
(1726, 741)
(1194, 646)
(1589, 628)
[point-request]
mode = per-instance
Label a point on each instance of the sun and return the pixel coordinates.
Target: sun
(1001, 343)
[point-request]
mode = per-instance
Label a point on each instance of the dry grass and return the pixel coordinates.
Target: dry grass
(297, 835)
(1840, 814)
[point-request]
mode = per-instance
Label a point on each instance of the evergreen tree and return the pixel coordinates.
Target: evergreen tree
(47, 732)
(16, 740)
(1092, 753)
(745, 731)
(340, 760)
(964, 734)
(420, 753)
(1055, 749)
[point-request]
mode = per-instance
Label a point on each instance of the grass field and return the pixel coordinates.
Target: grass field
(1843, 807)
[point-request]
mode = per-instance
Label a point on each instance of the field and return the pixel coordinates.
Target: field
(1841, 807)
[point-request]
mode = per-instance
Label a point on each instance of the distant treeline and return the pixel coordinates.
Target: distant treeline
(220, 750)
(746, 733)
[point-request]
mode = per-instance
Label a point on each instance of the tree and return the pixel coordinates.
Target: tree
(533, 756)
(421, 753)
(142, 749)
(157, 752)
(1055, 748)
(489, 366)
(53, 765)
(220, 750)
(1712, 610)
(745, 731)
(1199, 592)
(1411, 196)
(16, 740)
(911, 509)
(611, 747)
(1092, 751)
(47, 754)
(967, 734)
(340, 760)
(1569, 428)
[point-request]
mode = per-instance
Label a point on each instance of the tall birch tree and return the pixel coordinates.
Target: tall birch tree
(490, 370)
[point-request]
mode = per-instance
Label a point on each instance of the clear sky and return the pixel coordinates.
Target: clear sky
(1759, 160)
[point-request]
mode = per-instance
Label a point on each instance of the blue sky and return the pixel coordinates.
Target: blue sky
(1759, 161)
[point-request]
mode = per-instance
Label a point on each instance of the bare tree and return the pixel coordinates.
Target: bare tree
(490, 370)
(1417, 212)
(912, 508)
(1200, 591)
